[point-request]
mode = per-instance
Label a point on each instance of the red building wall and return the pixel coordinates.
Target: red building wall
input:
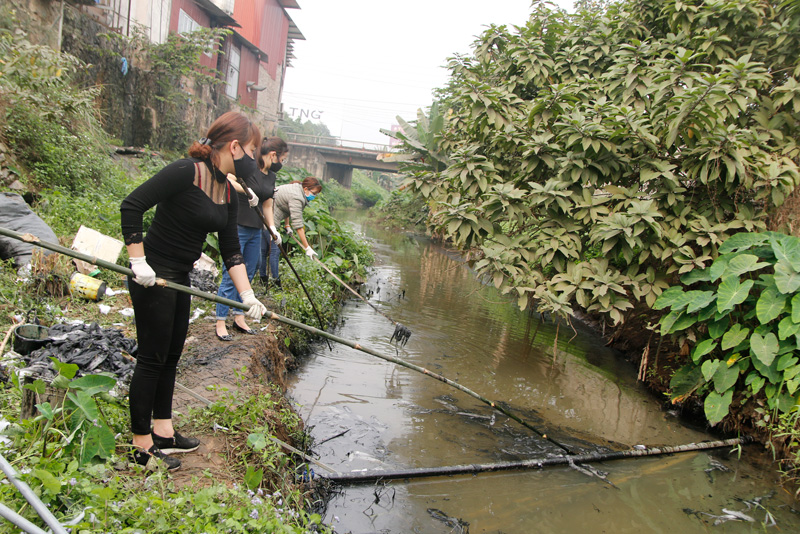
(199, 16)
(264, 23)
(248, 72)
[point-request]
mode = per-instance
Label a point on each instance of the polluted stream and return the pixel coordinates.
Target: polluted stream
(365, 413)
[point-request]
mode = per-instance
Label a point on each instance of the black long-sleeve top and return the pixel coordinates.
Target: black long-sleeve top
(263, 185)
(190, 205)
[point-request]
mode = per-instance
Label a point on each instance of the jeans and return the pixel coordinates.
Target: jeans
(162, 320)
(267, 248)
(250, 241)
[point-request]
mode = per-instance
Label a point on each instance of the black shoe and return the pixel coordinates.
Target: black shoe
(175, 444)
(153, 459)
(276, 283)
(226, 337)
(244, 330)
(264, 279)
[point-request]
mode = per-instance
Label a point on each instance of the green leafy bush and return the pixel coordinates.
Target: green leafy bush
(336, 195)
(653, 130)
(744, 313)
(366, 190)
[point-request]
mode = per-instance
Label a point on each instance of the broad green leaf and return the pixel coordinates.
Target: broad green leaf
(796, 308)
(755, 381)
(37, 386)
(717, 328)
(67, 370)
(770, 305)
(682, 322)
(253, 477)
(696, 275)
(764, 348)
(85, 404)
(258, 441)
(700, 299)
(786, 248)
(49, 481)
(669, 298)
(98, 441)
(725, 377)
(46, 410)
(787, 280)
(716, 406)
(787, 328)
(703, 348)
(718, 267)
(685, 380)
(791, 385)
(743, 263)
(731, 293)
(709, 367)
(734, 336)
(742, 241)
(770, 372)
(786, 361)
(93, 384)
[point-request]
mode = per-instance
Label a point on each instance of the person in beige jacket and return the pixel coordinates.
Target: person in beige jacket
(288, 204)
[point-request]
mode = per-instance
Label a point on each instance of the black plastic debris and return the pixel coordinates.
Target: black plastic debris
(203, 280)
(92, 348)
(401, 333)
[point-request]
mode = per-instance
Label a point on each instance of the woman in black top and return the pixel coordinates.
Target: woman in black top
(193, 198)
(249, 229)
(274, 152)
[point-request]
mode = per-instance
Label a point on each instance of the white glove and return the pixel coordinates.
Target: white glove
(289, 230)
(252, 199)
(310, 252)
(256, 308)
(143, 274)
(274, 231)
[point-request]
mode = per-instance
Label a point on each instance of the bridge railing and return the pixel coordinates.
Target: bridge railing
(336, 142)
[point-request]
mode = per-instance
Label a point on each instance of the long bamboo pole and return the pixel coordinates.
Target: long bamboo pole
(46, 515)
(401, 332)
(356, 477)
(283, 253)
(28, 238)
(19, 521)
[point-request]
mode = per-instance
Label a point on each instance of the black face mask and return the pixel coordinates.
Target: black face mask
(245, 167)
(275, 167)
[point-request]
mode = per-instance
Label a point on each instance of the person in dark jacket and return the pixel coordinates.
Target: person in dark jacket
(274, 152)
(261, 187)
(192, 198)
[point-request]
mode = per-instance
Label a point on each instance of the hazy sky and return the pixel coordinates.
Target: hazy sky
(366, 61)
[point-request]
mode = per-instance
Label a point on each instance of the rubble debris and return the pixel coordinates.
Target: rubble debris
(203, 280)
(90, 347)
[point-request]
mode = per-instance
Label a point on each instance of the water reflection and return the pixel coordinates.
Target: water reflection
(582, 394)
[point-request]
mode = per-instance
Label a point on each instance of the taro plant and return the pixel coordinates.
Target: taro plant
(743, 311)
(76, 426)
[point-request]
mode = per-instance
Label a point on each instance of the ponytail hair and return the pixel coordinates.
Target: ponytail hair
(271, 144)
(230, 126)
(309, 183)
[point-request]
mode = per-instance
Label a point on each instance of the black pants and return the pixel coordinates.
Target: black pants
(162, 321)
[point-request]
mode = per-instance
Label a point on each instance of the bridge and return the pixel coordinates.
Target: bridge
(331, 158)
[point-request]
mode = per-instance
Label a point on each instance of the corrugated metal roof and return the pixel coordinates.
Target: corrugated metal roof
(218, 14)
(289, 4)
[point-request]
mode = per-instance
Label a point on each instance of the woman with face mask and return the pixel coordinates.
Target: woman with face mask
(274, 152)
(289, 202)
(249, 228)
(192, 198)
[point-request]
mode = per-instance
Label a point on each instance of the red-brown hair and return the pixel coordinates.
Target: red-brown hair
(231, 126)
(309, 183)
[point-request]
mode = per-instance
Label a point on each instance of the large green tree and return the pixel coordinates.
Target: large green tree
(594, 157)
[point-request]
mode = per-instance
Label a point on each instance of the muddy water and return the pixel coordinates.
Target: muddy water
(583, 396)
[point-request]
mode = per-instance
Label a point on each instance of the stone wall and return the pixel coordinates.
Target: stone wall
(41, 19)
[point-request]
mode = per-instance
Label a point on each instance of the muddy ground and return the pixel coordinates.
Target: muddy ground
(208, 367)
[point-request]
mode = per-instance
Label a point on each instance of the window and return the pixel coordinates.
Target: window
(187, 24)
(232, 81)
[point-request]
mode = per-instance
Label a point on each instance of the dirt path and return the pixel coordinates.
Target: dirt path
(259, 360)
